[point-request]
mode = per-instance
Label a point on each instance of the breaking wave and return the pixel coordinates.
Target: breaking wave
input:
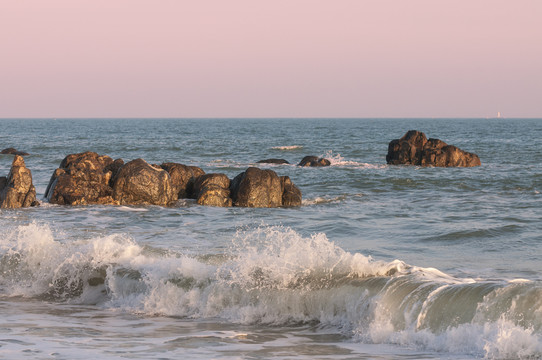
(275, 276)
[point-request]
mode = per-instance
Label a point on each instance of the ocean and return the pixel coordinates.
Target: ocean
(379, 262)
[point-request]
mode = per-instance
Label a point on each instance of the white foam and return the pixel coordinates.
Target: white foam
(287, 147)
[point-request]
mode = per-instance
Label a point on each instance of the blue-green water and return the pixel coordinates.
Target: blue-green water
(379, 262)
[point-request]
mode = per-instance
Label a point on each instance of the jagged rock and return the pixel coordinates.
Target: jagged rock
(213, 190)
(182, 178)
(139, 183)
(17, 189)
(82, 179)
(291, 195)
(12, 151)
(273, 161)
(414, 149)
(314, 161)
(256, 188)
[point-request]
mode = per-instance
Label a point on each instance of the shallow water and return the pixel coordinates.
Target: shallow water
(380, 261)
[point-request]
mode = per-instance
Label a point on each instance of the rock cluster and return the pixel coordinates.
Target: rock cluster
(89, 178)
(17, 190)
(415, 149)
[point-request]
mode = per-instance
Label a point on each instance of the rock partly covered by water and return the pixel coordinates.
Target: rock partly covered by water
(415, 149)
(17, 189)
(274, 161)
(314, 161)
(88, 178)
(13, 151)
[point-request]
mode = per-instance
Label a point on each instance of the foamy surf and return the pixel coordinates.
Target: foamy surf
(275, 276)
(287, 147)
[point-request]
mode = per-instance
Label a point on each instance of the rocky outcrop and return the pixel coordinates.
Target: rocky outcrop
(273, 161)
(13, 151)
(139, 183)
(213, 190)
(415, 149)
(83, 179)
(182, 178)
(314, 161)
(17, 189)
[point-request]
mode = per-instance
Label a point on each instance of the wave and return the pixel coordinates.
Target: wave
(287, 147)
(275, 276)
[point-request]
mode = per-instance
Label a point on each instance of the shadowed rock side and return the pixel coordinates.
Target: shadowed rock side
(291, 195)
(83, 179)
(414, 149)
(17, 189)
(314, 161)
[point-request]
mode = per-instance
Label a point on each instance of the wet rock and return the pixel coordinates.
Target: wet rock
(314, 161)
(414, 149)
(273, 161)
(82, 179)
(213, 190)
(182, 178)
(291, 195)
(139, 183)
(13, 151)
(256, 188)
(17, 189)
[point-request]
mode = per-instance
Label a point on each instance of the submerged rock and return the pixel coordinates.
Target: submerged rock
(314, 161)
(273, 161)
(17, 189)
(13, 151)
(414, 149)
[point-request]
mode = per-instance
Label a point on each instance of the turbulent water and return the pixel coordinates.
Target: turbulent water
(380, 262)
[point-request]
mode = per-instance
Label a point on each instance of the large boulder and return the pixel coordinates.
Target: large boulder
(182, 178)
(83, 179)
(256, 188)
(139, 183)
(414, 149)
(213, 190)
(314, 161)
(17, 189)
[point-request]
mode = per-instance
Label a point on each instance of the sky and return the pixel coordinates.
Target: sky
(276, 58)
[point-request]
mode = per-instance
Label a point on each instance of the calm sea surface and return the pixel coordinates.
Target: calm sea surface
(380, 262)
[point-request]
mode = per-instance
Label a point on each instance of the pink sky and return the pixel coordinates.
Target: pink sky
(279, 58)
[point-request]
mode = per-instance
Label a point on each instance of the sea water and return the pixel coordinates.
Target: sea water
(379, 262)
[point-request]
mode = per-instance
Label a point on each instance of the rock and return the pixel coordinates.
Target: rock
(17, 189)
(414, 149)
(314, 161)
(273, 161)
(12, 151)
(82, 179)
(139, 183)
(256, 188)
(291, 195)
(213, 190)
(182, 178)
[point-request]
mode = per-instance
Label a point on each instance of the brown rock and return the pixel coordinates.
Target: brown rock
(256, 188)
(291, 195)
(82, 179)
(139, 183)
(182, 178)
(414, 149)
(13, 151)
(273, 161)
(314, 161)
(213, 190)
(17, 189)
